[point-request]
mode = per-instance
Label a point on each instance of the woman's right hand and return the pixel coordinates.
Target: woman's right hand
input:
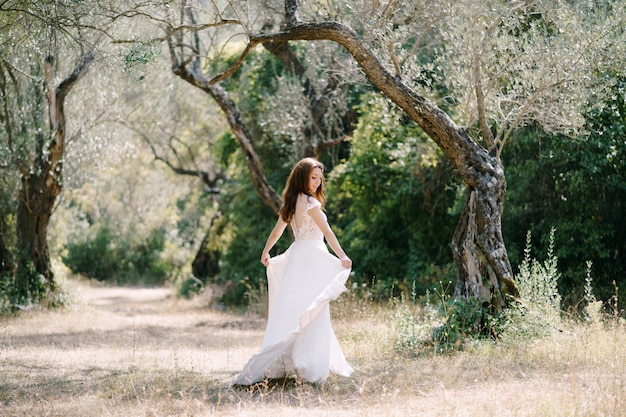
(265, 259)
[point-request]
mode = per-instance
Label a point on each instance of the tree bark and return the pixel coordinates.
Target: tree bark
(41, 187)
(315, 142)
(237, 126)
(479, 253)
(478, 245)
(206, 263)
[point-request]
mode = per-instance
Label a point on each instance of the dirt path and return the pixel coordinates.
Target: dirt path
(119, 336)
(142, 352)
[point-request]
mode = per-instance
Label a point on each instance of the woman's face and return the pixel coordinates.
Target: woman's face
(315, 180)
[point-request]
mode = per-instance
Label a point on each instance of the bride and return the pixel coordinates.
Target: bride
(299, 340)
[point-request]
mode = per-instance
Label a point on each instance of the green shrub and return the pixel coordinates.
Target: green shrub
(592, 311)
(538, 311)
(464, 320)
(190, 286)
(538, 282)
(36, 294)
(5, 294)
(394, 202)
(455, 323)
(118, 259)
(409, 334)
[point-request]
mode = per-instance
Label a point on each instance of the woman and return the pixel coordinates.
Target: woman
(299, 339)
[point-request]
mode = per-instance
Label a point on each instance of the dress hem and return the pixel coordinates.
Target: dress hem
(331, 292)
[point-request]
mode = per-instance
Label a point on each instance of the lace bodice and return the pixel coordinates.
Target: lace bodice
(304, 227)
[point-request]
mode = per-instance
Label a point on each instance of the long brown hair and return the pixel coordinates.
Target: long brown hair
(298, 183)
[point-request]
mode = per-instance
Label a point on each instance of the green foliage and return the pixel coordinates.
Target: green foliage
(118, 259)
(394, 202)
(443, 328)
(538, 311)
(5, 295)
(455, 323)
(37, 293)
(409, 334)
(190, 286)
(239, 231)
(140, 54)
(593, 307)
(465, 320)
(576, 186)
(528, 71)
(248, 223)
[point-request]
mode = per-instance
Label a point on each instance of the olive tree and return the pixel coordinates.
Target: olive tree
(199, 36)
(492, 66)
(46, 50)
(514, 64)
(36, 77)
(504, 64)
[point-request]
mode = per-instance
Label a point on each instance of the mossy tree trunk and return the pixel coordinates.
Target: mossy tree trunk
(40, 189)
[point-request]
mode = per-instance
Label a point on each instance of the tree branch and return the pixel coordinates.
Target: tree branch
(239, 130)
(329, 143)
(454, 141)
(230, 71)
(209, 179)
(79, 71)
(524, 110)
(56, 102)
(480, 103)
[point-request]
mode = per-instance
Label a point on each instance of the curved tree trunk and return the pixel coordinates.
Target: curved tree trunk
(484, 271)
(483, 268)
(246, 143)
(206, 263)
(238, 128)
(40, 189)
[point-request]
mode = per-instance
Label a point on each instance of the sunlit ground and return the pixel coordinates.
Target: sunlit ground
(142, 352)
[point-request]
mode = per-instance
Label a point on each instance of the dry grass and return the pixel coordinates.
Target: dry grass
(140, 352)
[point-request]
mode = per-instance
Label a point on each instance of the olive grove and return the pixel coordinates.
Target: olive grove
(413, 107)
(63, 99)
(493, 67)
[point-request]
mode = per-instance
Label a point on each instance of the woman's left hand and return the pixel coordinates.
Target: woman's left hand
(346, 262)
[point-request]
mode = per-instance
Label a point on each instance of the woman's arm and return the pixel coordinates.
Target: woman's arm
(275, 234)
(319, 218)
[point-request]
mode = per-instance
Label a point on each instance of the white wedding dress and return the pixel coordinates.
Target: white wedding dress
(299, 339)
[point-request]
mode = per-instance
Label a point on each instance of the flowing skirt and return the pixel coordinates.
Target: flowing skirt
(299, 339)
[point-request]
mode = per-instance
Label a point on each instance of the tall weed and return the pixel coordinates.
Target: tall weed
(538, 282)
(538, 310)
(593, 307)
(455, 323)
